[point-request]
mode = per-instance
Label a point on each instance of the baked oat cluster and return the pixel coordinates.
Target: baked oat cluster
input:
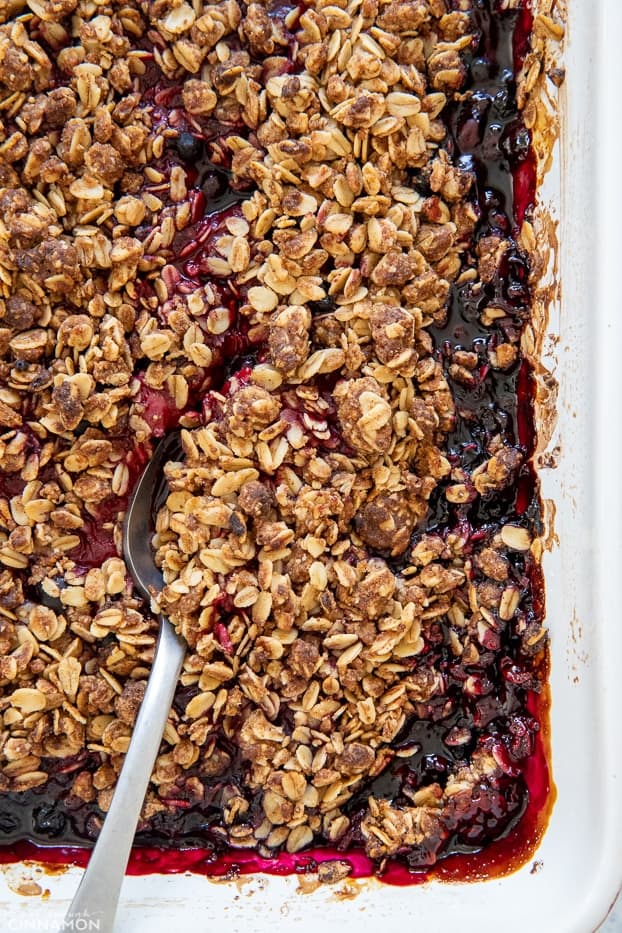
(246, 220)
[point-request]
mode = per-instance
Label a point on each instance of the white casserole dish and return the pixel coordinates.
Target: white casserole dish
(581, 854)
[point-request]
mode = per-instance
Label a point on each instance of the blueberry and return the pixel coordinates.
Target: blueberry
(189, 147)
(214, 184)
(323, 306)
(9, 822)
(49, 820)
(52, 602)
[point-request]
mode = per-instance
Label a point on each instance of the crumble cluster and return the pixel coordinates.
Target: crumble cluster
(293, 542)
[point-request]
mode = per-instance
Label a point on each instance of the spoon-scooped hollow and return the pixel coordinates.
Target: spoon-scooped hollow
(98, 893)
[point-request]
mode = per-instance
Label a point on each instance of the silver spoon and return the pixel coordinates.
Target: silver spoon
(98, 893)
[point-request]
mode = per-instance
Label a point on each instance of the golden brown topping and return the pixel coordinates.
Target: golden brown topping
(364, 415)
(290, 336)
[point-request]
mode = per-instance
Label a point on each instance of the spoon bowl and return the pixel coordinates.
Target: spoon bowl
(150, 493)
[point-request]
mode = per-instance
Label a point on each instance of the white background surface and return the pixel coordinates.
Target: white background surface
(582, 851)
(614, 921)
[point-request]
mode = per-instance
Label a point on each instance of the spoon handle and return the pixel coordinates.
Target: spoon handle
(98, 893)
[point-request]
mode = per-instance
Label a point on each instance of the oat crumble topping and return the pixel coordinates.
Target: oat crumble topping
(246, 220)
